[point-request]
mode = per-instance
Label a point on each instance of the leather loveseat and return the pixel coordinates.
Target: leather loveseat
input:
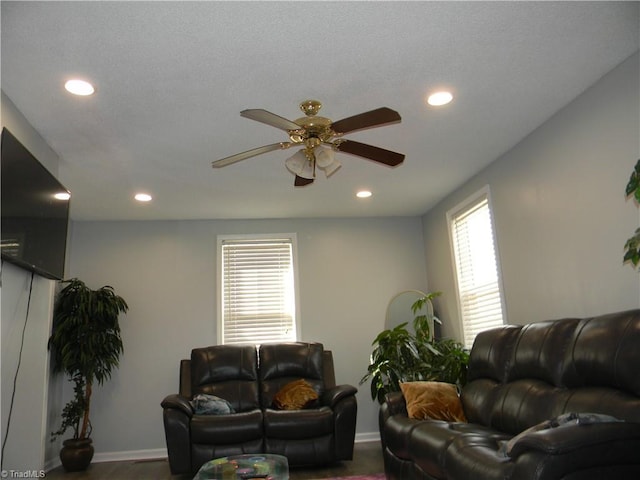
(248, 380)
(521, 380)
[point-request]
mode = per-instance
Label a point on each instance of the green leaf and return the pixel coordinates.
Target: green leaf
(632, 249)
(633, 179)
(632, 246)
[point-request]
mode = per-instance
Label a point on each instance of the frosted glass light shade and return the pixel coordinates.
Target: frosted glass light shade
(295, 163)
(331, 169)
(300, 165)
(325, 159)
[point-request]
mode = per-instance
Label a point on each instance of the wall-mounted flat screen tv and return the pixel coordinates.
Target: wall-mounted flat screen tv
(35, 212)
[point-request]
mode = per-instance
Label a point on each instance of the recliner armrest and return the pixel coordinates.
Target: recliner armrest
(334, 395)
(557, 441)
(178, 402)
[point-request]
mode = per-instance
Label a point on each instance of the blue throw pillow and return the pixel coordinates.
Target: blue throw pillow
(204, 404)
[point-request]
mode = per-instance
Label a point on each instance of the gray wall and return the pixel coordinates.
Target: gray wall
(560, 212)
(34, 395)
(348, 270)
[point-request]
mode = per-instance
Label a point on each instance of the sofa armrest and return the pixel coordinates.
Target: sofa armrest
(177, 413)
(558, 441)
(341, 399)
(396, 403)
(178, 402)
(333, 396)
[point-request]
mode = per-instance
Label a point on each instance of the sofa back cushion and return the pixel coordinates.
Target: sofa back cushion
(605, 351)
(492, 353)
(229, 372)
(520, 376)
(283, 363)
(540, 351)
(489, 363)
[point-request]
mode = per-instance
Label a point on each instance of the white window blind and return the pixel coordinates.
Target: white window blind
(476, 268)
(258, 298)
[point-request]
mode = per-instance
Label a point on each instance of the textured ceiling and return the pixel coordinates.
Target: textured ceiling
(172, 77)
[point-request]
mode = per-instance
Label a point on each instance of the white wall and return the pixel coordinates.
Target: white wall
(29, 424)
(560, 212)
(348, 271)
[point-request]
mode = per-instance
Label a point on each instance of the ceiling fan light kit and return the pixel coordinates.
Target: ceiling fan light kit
(304, 162)
(319, 137)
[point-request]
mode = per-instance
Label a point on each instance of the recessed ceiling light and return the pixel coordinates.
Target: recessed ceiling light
(79, 87)
(143, 197)
(438, 99)
(62, 196)
(363, 194)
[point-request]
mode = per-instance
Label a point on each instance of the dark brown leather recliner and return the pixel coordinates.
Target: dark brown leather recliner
(249, 379)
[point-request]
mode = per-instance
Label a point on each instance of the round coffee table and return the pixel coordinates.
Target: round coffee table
(263, 466)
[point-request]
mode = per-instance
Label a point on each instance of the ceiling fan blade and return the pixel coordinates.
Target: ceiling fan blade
(264, 116)
(376, 154)
(374, 118)
(223, 162)
(301, 181)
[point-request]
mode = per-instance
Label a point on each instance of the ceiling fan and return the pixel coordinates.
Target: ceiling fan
(319, 137)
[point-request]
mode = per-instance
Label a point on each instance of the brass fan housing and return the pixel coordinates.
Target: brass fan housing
(310, 107)
(316, 129)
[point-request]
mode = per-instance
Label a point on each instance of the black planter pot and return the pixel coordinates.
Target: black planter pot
(76, 454)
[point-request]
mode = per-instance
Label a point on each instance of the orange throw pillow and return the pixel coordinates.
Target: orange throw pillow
(433, 400)
(295, 396)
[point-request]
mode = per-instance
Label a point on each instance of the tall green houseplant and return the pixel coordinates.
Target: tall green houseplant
(86, 345)
(632, 247)
(403, 356)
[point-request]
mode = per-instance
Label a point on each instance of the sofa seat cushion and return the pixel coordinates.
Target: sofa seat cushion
(298, 424)
(226, 429)
(397, 435)
(478, 456)
(303, 452)
(430, 440)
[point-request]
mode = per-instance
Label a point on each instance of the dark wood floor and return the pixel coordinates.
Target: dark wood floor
(367, 460)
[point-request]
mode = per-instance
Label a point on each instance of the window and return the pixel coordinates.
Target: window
(257, 295)
(474, 252)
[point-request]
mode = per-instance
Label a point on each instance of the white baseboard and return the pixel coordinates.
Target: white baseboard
(367, 437)
(51, 464)
(123, 456)
(150, 454)
(161, 453)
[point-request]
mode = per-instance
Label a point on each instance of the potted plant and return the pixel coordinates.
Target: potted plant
(632, 247)
(86, 345)
(402, 356)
